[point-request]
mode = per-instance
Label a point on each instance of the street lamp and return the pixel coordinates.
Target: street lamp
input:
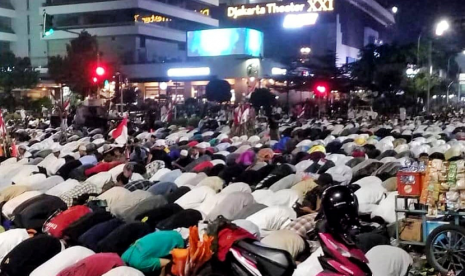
(305, 51)
(442, 27)
(394, 10)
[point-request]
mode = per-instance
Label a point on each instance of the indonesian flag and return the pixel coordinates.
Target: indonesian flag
(245, 115)
(120, 134)
(2, 126)
(66, 105)
(302, 113)
(237, 115)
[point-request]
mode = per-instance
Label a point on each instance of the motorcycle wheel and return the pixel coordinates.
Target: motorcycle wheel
(445, 248)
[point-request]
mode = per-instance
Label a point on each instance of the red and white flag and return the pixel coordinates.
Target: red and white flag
(2, 126)
(66, 105)
(120, 134)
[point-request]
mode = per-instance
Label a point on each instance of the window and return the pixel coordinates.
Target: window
(142, 42)
(27, 4)
(350, 60)
(29, 47)
(28, 24)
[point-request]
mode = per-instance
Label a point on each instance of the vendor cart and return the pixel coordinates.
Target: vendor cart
(445, 246)
(443, 235)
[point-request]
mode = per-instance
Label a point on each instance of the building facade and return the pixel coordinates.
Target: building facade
(7, 16)
(128, 31)
(342, 27)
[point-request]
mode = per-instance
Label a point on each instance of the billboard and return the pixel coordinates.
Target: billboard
(225, 42)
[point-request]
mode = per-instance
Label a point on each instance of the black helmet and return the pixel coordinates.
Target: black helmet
(340, 208)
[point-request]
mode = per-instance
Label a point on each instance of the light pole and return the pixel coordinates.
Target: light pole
(441, 28)
(448, 89)
(418, 48)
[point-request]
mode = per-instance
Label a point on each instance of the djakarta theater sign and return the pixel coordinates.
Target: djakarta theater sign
(311, 6)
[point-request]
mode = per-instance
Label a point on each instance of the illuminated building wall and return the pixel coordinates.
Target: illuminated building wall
(128, 31)
(339, 26)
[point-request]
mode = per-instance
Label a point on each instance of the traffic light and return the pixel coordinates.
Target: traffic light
(99, 75)
(47, 25)
(321, 89)
(100, 71)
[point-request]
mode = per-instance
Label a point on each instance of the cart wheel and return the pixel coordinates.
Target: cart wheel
(445, 248)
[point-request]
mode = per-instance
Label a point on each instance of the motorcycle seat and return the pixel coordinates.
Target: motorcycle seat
(279, 257)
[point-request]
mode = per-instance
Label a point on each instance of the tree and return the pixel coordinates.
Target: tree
(218, 91)
(15, 72)
(76, 69)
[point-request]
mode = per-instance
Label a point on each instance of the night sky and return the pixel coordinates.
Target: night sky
(417, 15)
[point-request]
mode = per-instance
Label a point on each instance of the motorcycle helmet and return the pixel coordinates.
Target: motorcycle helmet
(340, 209)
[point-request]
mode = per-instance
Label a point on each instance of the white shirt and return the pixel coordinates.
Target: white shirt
(114, 196)
(47, 160)
(55, 166)
(272, 218)
(237, 187)
(195, 197)
(311, 266)
(124, 271)
(286, 197)
(62, 260)
(10, 239)
(11, 205)
(100, 179)
(47, 183)
(121, 207)
(184, 178)
(63, 187)
(23, 173)
(386, 260)
(211, 203)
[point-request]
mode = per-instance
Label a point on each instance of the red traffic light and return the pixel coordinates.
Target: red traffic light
(100, 71)
(321, 89)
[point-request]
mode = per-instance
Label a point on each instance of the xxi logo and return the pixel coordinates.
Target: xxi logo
(320, 5)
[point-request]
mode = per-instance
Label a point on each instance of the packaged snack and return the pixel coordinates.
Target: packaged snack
(460, 184)
(460, 166)
(451, 175)
(442, 202)
(436, 164)
(453, 196)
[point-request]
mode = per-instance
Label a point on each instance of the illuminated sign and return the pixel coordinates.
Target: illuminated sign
(151, 19)
(204, 12)
(188, 72)
(278, 71)
(276, 8)
(159, 18)
(292, 21)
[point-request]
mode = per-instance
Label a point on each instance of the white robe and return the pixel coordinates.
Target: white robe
(10, 239)
(62, 260)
